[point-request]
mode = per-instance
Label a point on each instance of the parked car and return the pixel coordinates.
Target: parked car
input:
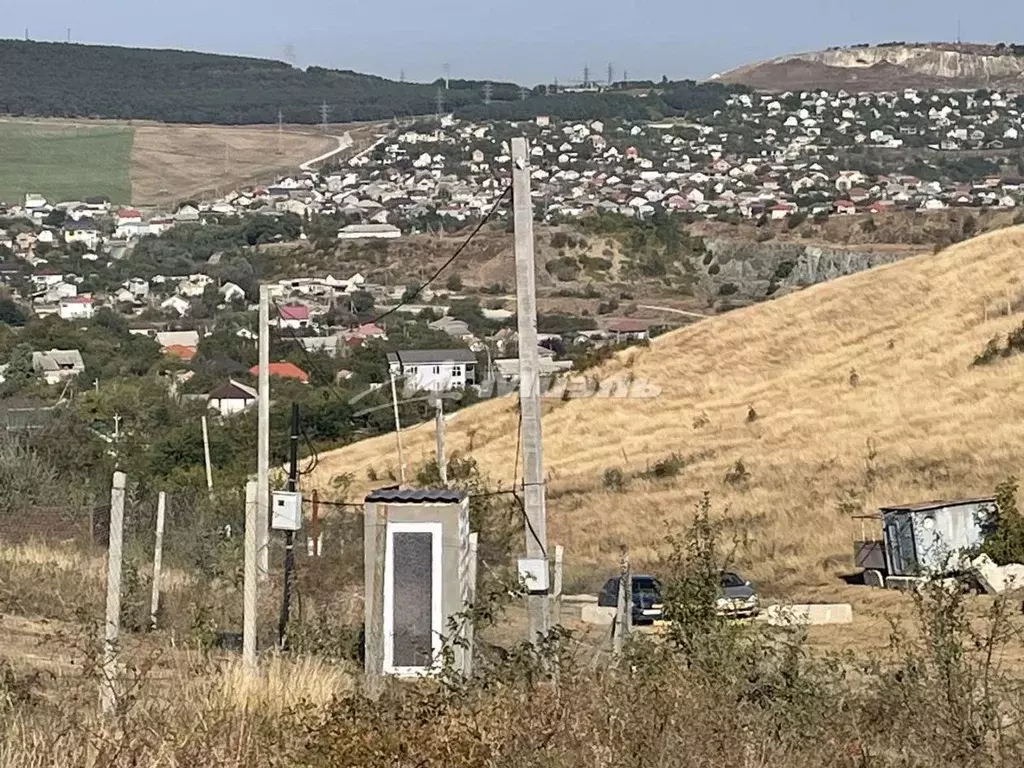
(647, 607)
(738, 599)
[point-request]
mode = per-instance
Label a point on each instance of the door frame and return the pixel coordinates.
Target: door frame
(436, 529)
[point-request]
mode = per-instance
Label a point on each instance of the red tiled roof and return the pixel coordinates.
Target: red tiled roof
(180, 351)
(128, 213)
(294, 312)
(285, 371)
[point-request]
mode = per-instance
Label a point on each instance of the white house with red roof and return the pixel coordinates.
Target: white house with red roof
(293, 316)
(76, 308)
(129, 224)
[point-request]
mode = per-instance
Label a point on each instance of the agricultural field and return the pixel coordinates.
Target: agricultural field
(64, 160)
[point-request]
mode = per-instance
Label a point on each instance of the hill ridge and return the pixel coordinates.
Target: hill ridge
(915, 422)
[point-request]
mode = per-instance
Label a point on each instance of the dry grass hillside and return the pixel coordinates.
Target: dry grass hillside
(916, 422)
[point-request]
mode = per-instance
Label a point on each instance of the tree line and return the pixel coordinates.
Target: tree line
(72, 80)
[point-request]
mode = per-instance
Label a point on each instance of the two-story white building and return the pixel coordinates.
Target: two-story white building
(76, 308)
(433, 370)
(85, 231)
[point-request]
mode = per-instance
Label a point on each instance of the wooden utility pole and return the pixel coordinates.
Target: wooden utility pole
(249, 576)
(474, 553)
(313, 541)
(263, 439)
(624, 608)
(206, 456)
(112, 624)
(557, 585)
(289, 536)
(374, 649)
(442, 461)
(158, 558)
(529, 381)
(398, 431)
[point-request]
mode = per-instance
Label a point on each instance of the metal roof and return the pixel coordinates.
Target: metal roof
(924, 506)
(421, 356)
(415, 496)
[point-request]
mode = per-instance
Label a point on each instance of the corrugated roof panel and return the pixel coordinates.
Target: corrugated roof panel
(415, 496)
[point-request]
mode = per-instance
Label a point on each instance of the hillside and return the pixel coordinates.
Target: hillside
(919, 423)
(887, 67)
(73, 80)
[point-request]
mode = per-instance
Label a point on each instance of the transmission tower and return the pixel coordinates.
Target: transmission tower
(586, 75)
(556, 86)
(611, 75)
(447, 76)
(488, 93)
(401, 76)
(625, 76)
(325, 111)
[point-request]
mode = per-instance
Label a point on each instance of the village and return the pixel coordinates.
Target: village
(765, 158)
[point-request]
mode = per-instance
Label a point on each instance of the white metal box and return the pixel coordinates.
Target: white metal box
(533, 572)
(286, 511)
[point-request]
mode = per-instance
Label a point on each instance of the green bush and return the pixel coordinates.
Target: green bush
(1004, 528)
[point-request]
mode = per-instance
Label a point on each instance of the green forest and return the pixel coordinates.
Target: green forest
(73, 80)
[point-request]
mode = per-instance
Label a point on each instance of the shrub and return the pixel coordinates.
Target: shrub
(1004, 528)
(665, 468)
(738, 474)
(614, 479)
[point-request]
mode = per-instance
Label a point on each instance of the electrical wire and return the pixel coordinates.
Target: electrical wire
(514, 491)
(458, 252)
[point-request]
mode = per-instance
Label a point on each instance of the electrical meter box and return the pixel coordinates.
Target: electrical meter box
(286, 511)
(533, 572)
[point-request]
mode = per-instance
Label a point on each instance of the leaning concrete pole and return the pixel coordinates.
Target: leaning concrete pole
(529, 380)
(112, 625)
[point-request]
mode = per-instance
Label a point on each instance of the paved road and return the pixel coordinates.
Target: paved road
(674, 311)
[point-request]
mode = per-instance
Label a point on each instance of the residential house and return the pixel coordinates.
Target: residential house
(58, 364)
(435, 370)
(85, 231)
(76, 308)
(231, 398)
(629, 329)
(369, 232)
(284, 370)
(186, 339)
(293, 316)
(177, 304)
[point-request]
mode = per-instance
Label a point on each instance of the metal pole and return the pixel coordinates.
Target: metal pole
(442, 462)
(529, 380)
(289, 536)
(559, 557)
(249, 598)
(112, 625)
(398, 431)
(158, 558)
(206, 456)
(263, 440)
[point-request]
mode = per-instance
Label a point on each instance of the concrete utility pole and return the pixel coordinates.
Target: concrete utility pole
(624, 607)
(112, 624)
(529, 380)
(249, 576)
(263, 439)
(442, 461)
(559, 561)
(158, 558)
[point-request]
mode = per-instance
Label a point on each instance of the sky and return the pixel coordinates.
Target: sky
(534, 41)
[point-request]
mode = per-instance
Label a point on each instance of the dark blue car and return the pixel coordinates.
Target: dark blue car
(647, 607)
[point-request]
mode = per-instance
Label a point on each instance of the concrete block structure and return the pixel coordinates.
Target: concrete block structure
(424, 583)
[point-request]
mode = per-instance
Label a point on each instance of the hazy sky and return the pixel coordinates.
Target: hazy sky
(531, 41)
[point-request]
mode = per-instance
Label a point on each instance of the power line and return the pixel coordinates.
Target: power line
(450, 261)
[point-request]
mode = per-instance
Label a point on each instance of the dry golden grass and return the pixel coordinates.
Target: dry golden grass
(910, 331)
(173, 162)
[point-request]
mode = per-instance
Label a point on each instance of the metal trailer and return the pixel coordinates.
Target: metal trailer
(922, 540)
